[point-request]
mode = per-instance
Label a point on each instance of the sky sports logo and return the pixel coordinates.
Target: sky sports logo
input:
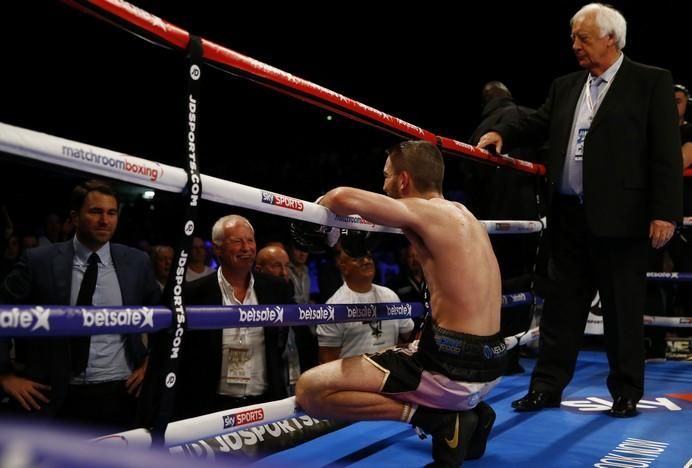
(145, 169)
(281, 201)
(245, 417)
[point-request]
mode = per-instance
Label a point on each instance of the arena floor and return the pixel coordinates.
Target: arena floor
(578, 434)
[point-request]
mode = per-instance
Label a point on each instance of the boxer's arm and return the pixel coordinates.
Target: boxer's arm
(375, 208)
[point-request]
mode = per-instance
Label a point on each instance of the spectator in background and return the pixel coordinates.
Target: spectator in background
(89, 380)
(682, 99)
(162, 259)
(273, 260)
(301, 344)
(52, 230)
(407, 284)
(329, 276)
(10, 255)
(197, 265)
(615, 187)
(28, 241)
(340, 340)
(299, 274)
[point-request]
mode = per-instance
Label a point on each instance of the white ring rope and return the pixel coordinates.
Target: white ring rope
(208, 425)
(673, 322)
(87, 158)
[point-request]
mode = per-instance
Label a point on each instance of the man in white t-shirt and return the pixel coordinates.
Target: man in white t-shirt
(339, 340)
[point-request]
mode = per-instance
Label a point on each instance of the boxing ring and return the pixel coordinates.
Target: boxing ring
(578, 434)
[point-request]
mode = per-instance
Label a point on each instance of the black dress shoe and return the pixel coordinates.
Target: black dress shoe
(536, 401)
(623, 408)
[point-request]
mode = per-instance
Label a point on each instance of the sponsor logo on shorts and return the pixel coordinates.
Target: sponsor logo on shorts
(281, 201)
(256, 314)
(246, 417)
(491, 352)
(503, 226)
(141, 318)
(365, 311)
(316, 313)
(399, 310)
(31, 319)
(448, 345)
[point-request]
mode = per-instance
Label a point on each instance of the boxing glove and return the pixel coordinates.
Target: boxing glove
(358, 244)
(309, 237)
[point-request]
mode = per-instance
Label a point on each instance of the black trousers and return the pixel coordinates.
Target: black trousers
(580, 264)
(105, 407)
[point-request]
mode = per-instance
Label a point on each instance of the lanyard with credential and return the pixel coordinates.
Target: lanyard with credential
(593, 106)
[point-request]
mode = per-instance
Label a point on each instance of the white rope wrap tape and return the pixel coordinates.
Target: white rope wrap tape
(100, 161)
(522, 338)
(208, 425)
(674, 322)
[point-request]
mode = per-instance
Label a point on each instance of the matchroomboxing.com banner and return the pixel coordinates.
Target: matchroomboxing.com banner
(259, 441)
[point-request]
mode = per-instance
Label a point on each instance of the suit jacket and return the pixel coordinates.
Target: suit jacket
(201, 352)
(497, 192)
(44, 276)
(632, 169)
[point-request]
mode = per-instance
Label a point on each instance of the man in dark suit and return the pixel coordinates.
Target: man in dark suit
(499, 192)
(87, 380)
(234, 367)
(615, 178)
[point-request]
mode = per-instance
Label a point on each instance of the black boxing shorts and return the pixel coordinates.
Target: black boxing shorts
(446, 369)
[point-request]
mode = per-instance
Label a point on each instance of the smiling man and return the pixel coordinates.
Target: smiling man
(615, 188)
(233, 367)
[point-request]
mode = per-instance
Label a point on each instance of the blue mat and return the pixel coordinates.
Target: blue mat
(578, 434)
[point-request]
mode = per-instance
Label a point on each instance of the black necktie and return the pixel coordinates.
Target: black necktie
(80, 344)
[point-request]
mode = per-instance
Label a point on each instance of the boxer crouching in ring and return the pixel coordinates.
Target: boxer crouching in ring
(436, 384)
